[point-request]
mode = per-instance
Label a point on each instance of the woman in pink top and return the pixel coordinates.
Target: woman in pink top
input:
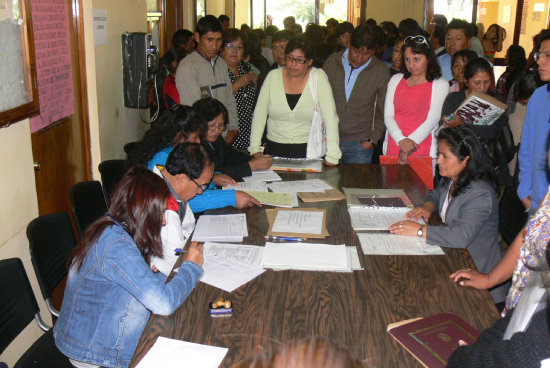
(414, 99)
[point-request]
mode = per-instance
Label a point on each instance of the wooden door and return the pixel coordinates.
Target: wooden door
(61, 151)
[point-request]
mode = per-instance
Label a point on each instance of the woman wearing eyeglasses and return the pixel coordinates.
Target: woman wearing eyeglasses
(286, 105)
(244, 82)
(413, 102)
(228, 161)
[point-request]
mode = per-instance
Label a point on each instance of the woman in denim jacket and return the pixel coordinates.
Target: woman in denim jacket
(111, 290)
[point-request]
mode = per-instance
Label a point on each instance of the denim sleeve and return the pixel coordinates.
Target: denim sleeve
(123, 264)
(211, 199)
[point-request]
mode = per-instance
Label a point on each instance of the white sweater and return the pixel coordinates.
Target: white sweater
(440, 90)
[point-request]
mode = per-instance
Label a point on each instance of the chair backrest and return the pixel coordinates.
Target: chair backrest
(51, 240)
(111, 173)
(88, 203)
(18, 305)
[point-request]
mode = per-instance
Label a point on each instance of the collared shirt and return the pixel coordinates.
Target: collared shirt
(351, 73)
(445, 64)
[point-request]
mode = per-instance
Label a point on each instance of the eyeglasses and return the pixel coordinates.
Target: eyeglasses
(417, 39)
(541, 55)
(233, 47)
(291, 59)
(202, 187)
(218, 127)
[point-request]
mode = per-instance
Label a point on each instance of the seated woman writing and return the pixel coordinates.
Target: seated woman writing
(466, 200)
(286, 105)
(111, 290)
(227, 160)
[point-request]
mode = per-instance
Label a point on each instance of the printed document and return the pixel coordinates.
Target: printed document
(295, 186)
(391, 244)
(170, 353)
(275, 199)
(306, 222)
(230, 228)
(259, 186)
(248, 254)
(368, 218)
(227, 274)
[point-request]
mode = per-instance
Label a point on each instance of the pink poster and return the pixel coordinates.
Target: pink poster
(53, 61)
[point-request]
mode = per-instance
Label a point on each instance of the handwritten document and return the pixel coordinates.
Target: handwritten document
(307, 222)
(365, 218)
(221, 228)
(170, 353)
(295, 186)
(390, 244)
(259, 186)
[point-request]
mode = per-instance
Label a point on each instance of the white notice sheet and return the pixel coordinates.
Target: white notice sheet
(223, 228)
(306, 222)
(306, 256)
(391, 244)
(170, 353)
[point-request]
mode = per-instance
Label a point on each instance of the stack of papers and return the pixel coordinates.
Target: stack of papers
(229, 266)
(297, 164)
(390, 244)
(169, 353)
(306, 256)
(295, 186)
(222, 228)
(259, 186)
(369, 218)
(263, 175)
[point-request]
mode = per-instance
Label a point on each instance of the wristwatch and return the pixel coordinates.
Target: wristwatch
(420, 231)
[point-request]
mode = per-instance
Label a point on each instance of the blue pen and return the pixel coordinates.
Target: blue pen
(269, 237)
(178, 251)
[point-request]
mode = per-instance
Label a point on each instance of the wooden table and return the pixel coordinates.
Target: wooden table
(352, 309)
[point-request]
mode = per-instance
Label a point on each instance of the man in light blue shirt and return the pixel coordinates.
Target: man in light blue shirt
(458, 36)
(358, 80)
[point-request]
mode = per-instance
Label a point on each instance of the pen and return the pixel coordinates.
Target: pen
(269, 237)
(178, 251)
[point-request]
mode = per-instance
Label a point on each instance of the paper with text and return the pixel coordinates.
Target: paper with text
(247, 254)
(367, 218)
(391, 244)
(259, 186)
(308, 222)
(295, 186)
(221, 228)
(227, 274)
(265, 175)
(275, 199)
(170, 353)
(306, 256)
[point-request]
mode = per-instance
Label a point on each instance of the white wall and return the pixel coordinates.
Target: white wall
(19, 207)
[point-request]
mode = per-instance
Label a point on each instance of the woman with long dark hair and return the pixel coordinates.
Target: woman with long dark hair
(111, 290)
(466, 200)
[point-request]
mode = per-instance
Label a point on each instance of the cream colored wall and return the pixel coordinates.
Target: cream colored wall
(19, 207)
(216, 7)
(117, 124)
(396, 10)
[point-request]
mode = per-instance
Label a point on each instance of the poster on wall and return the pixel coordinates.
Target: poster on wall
(53, 62)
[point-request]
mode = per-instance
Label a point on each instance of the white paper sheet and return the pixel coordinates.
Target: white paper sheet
(266, 175)
(391, 244)
(246, 186)
(170, 353)
(353, 258)
(366, 218)
(307, 222)
(247, 254)
(296, 186)
(221, 228)
(306, 256)
(228, 274)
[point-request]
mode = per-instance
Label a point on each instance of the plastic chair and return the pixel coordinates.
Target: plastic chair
(18, 308)
(111, 173)
(51, 240)
(88, 203)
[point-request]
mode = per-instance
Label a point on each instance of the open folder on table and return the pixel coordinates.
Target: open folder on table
(170, 353)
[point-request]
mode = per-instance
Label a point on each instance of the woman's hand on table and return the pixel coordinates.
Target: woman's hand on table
(194, 253)
(408, 228)
(423, 212)
(223, 180)
(260, 162)
(451, 123)
(467, 277)
(407, 145)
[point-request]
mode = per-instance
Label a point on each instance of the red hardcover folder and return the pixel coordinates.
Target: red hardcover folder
(431, 340)
(422, 166)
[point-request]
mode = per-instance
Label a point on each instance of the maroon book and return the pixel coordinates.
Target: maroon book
(431, 340)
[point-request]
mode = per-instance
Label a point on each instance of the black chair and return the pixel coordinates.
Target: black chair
(111, 173)
(51, 240)
(88, 203)
(18, 308)
(132, 148)
(511, 212)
